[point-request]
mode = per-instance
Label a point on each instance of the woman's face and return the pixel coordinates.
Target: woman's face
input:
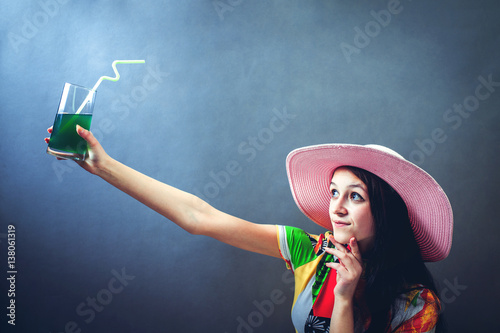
(350, 211)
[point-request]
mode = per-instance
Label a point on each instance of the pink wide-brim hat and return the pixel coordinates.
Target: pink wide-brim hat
(310, 170)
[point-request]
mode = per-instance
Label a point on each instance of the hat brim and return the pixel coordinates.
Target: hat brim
(309, 171)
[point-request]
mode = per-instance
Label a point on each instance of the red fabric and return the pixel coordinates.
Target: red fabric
(323, 307)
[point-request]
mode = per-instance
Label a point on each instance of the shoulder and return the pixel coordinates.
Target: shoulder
(298, 237)
(297, 246)
(416, 310)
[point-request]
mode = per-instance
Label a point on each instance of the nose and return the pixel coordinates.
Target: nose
(337, 207)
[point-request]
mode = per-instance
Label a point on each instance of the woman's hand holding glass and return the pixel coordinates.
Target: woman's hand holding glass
(97, 157)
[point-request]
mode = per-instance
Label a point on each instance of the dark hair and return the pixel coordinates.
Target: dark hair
(394, 265)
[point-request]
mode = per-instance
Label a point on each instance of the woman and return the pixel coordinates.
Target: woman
(391, 215)
(387, 216)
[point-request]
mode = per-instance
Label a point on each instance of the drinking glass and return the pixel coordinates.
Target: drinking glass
(75, 108)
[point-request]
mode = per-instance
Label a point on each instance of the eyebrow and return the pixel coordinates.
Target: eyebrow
(355, 185)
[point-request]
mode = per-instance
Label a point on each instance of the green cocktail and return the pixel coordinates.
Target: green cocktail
(65, 139)
(75, 108)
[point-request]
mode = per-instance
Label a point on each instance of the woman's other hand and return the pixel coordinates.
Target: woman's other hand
(349, 268)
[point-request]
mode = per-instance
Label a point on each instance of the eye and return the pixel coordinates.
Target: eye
(356, 196)
(335, 193)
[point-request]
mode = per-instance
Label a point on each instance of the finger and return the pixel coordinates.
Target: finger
(46, 140)
(355, 248)
(87, 135)
(334, 265)
(348, 260)
(340, 247)
(333, 250)
(342, 256)
(342, 272)
(49, 129)
(331, 238)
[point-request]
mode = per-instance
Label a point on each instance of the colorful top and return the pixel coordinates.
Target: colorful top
(314, 283)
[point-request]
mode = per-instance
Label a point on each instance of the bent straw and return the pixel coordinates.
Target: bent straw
(114, 79)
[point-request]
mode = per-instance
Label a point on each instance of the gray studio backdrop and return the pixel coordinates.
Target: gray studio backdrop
(228, 89)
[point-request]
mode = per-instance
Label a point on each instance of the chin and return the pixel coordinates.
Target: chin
(342, 237)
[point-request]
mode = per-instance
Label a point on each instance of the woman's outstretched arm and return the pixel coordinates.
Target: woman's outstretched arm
(186, 210)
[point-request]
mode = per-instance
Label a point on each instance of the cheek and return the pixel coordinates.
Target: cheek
(366, 224)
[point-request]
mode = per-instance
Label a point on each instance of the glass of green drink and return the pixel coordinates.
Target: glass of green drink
(75, 108)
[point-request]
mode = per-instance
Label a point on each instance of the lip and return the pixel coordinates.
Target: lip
(340, 224)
